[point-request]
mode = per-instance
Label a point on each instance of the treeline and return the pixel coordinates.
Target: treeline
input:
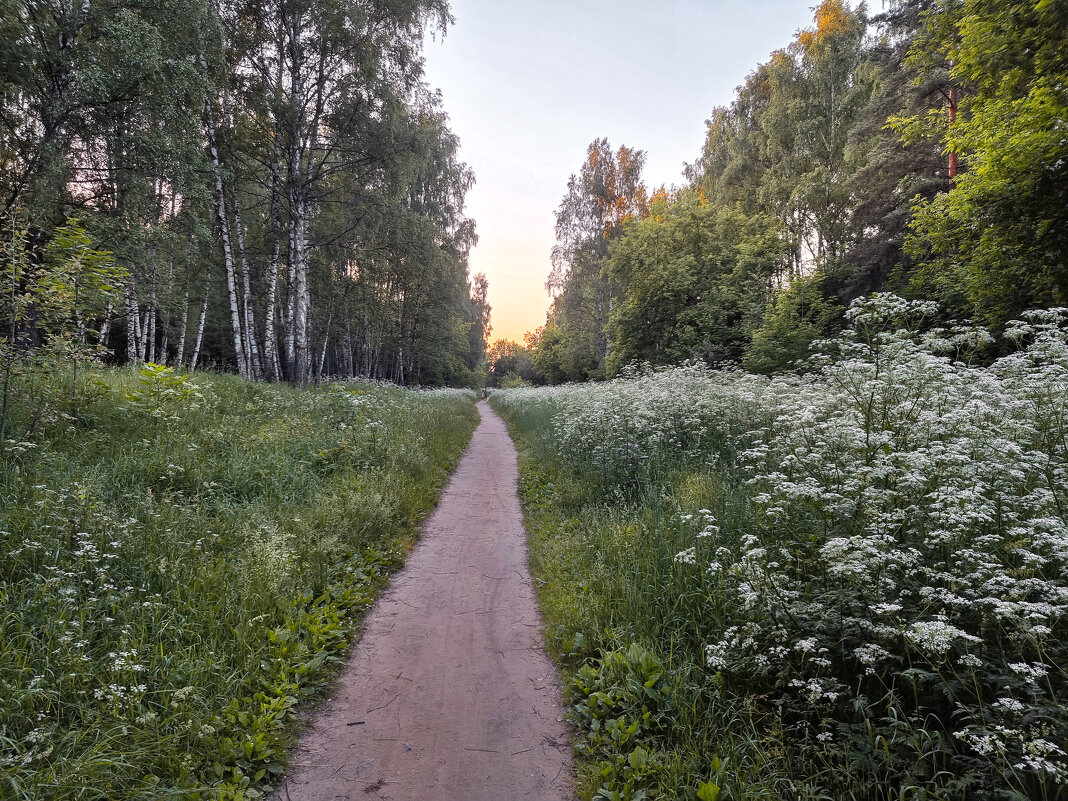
(922, 150)
(267, 186)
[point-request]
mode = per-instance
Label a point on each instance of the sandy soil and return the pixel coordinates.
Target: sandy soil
(448, 695)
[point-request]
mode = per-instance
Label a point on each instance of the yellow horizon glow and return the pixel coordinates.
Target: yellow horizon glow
(525, 89)
(514, 247)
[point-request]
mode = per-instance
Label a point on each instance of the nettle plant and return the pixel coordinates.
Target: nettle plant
(900, 600)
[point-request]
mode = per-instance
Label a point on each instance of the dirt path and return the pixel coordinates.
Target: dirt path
(448, 695)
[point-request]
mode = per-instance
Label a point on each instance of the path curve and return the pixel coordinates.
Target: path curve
(448, 695)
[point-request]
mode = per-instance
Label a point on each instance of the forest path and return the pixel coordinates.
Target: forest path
(448, 694)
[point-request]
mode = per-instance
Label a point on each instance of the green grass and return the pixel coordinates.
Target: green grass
(179, 568)
(844, 586)
(627, 629)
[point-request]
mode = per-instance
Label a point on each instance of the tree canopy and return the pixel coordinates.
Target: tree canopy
(921, 150)
(275, 178)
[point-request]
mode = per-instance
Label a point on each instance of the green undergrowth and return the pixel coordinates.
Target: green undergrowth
(182, 562)
(620, 625)
(850, 583)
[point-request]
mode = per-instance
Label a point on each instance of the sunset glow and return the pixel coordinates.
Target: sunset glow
(518, 84)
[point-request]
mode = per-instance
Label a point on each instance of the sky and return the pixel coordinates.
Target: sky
(528, 84)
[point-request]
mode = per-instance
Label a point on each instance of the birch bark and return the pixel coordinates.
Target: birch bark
(203, 318)
(224, 231)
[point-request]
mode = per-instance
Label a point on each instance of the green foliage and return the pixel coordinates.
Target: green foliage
(797, 316)
(48, 309)
(837, 154)
(76, 286)
(162, 391)
(511, 364)
(173, 592)
(693, 280)
(561, 353)
(996, 242)
(799, 177)
(786, 147)
(620, 706)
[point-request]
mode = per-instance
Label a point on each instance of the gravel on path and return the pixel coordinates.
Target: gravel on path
(448, 694)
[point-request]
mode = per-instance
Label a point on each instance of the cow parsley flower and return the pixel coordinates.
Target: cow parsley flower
(936, 636)
(686, 557)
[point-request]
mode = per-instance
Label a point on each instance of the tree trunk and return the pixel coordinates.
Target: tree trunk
(165, 322)
(289, 333)
(203, 317)
(105, 327)
(326, 343)
(142, 337)
(298, 335)
(150, 327)
(252, 350)
(951, 106)
(270, 340)
(346, 340)
(185, 304)
(132, 325)
(224, 231)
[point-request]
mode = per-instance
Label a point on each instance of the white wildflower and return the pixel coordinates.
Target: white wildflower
(686, 557)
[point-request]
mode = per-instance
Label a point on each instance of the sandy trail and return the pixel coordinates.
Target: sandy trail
(448, 695)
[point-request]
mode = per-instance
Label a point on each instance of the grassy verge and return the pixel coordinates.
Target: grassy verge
(621, 623)
(847, 584)
(181, 563)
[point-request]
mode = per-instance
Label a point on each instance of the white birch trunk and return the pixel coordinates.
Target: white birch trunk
(270, 341)
(252, 351)
(105, 327)
(185, 305)
(302, 365)
(165, 321)
(326, 343)
(228, 253)
(132, 323)
(203, 317)
(150, 327)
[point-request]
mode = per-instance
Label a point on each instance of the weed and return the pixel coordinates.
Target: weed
(855, 579)
(179, 571)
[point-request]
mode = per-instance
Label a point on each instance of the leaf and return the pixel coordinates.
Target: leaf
(638, 758)
(707, 791)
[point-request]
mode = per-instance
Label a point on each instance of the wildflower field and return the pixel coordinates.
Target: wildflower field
(183, 561)
(844, 584)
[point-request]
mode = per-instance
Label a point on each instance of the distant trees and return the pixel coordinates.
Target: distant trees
(275, 178)
(921, 150)
(693, 281)
(510, 364)
(606, 193)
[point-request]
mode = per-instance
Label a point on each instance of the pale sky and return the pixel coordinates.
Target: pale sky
(528, 84)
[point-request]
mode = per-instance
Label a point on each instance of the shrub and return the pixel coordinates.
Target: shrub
(880, 583)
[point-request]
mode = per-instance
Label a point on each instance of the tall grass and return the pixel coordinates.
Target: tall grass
(182, 562)
(847, 584)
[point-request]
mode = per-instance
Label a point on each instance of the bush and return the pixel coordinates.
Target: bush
(877, 580)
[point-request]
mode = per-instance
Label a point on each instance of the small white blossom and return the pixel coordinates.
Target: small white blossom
(686, 557)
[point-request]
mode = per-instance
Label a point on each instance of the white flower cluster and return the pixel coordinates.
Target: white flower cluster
(909, 513)
(936, 637)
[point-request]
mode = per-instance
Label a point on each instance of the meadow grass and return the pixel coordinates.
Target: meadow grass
(626, 629)
(850, 583)
(183, 562)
